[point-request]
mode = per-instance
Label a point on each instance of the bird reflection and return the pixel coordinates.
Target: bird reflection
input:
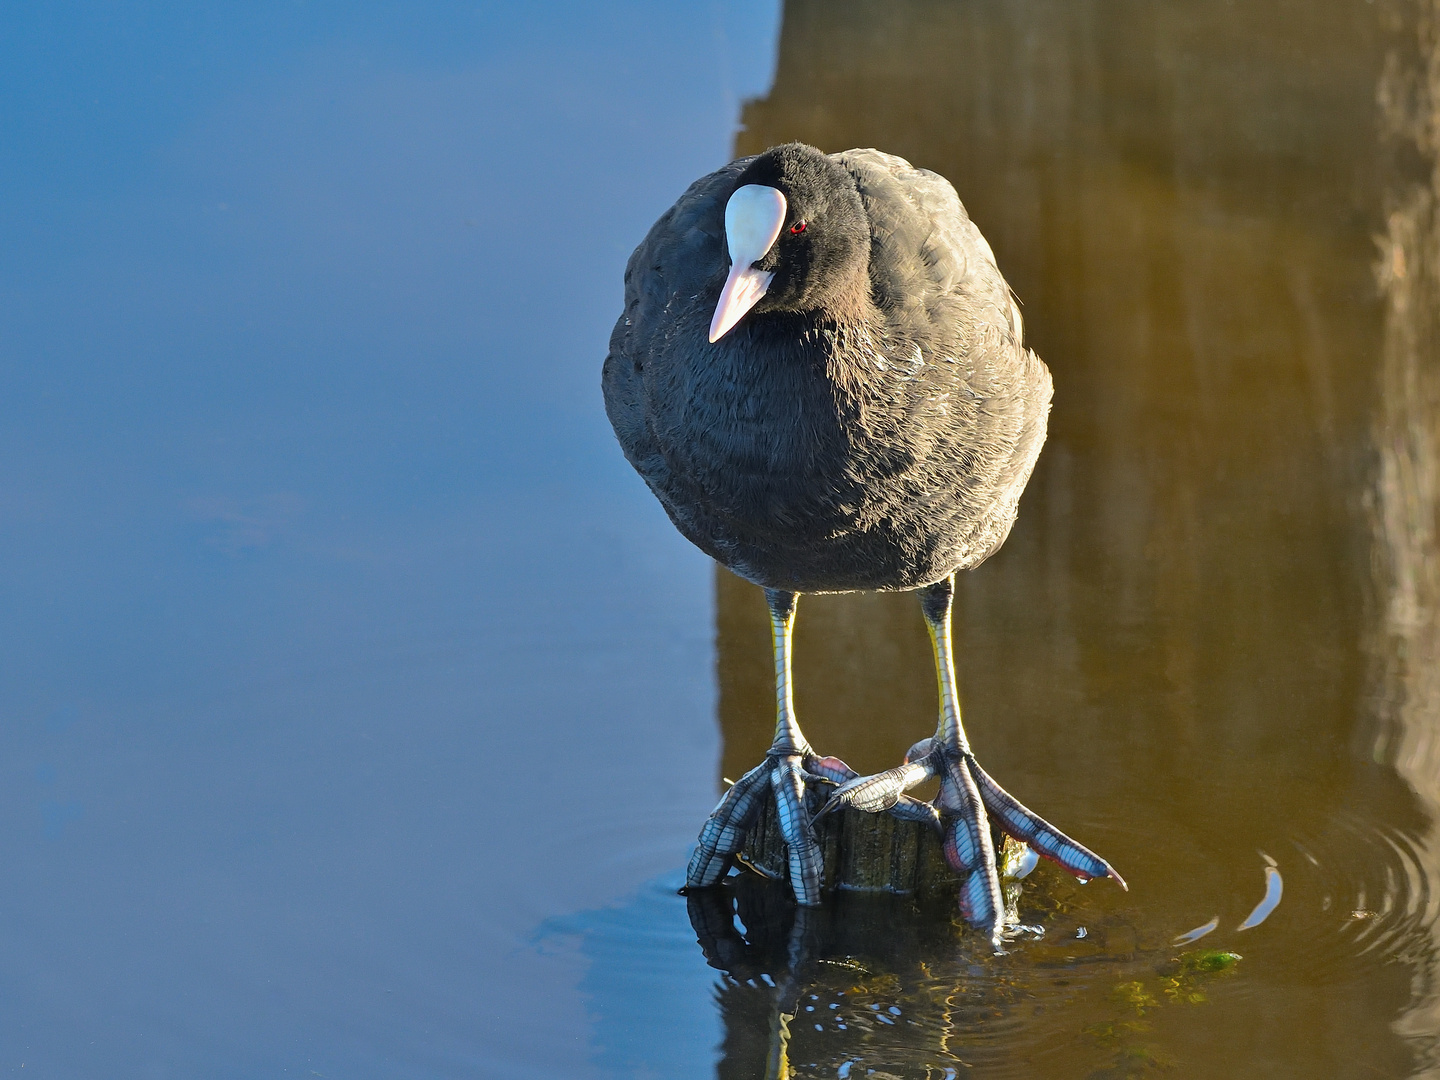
(765, 968)
(867, 977)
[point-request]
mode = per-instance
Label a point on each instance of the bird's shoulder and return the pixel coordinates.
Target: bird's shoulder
(683, 249)
(664, 279)
(932, 272)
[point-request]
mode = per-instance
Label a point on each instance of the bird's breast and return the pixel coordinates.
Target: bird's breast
(782, 436)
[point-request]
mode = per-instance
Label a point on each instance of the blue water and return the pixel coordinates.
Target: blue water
(346, 662)
(358, 704)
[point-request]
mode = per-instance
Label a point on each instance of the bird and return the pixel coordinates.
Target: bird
(821, 374)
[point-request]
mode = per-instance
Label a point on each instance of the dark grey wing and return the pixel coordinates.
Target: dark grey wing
(664, 279)
(932, 272)
(978, 399)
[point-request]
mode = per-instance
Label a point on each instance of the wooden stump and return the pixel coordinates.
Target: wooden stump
(871, 852)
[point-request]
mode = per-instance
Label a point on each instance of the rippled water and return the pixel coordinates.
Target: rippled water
(359, 704)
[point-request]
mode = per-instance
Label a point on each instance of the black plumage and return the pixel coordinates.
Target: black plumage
(872, 422)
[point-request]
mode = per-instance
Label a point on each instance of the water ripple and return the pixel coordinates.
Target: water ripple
(1365, 890)
(1274, 889)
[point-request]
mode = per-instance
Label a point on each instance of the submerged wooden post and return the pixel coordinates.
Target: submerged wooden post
(869, 852)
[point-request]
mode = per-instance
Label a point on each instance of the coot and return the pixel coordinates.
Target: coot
(820, 374)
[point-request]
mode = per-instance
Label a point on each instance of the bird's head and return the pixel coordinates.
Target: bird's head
(797, 236)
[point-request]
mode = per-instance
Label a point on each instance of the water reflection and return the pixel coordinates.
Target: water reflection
(1404, 503)
(872, 981)
(1220, 596)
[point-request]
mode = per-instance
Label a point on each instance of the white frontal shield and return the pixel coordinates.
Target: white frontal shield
(753, 218)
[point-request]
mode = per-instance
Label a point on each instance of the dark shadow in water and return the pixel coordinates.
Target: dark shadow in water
(1211, 638)
(873, 981)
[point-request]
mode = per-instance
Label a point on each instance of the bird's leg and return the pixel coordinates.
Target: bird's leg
(789, 765)
(967, 793)
(968, 847)
(968, 796)
(789, 739)
(787, 755)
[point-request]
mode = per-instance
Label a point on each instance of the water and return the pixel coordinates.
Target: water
(359, 703)
(344, 649)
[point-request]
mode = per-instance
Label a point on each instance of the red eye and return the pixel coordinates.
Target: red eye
(798, 228)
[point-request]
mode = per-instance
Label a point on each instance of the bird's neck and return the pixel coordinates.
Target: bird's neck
(848, 303)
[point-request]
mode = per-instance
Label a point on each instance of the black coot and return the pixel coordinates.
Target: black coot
(820, 374)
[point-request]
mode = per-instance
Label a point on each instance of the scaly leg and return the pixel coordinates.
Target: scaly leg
(789, 766)
(967, 793)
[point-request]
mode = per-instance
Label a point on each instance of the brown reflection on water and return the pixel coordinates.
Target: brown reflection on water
(1213, 631)
(1405, 497)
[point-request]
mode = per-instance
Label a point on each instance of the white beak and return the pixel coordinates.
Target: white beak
(753, 218)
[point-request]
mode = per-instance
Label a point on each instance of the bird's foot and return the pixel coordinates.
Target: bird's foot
(782, 776)
(885, 792)
(968, 798)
